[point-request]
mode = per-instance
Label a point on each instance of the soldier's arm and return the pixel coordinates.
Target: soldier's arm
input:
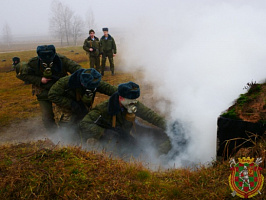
(85, 46)
(20, 69)
(101, 46)
(29, 75)
(106, 88)
(71, 66)
(88, 126)
(114, 46)
(150, 116)
(57, 93)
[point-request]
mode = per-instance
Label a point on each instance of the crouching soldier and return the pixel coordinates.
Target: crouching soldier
(114, 119)
(20, 68)
(15, 60)
(74, 95)
(43, 71)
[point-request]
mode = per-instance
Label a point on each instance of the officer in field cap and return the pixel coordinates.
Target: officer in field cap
(107, 49)
(74, 95)
(114, 118)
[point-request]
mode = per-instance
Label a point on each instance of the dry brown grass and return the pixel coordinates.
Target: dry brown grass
(41, 170)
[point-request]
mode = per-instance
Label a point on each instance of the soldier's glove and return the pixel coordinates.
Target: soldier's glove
(48, 85)
(165, 147)
(79, 108)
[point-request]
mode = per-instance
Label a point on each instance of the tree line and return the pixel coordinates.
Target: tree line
(64, 24)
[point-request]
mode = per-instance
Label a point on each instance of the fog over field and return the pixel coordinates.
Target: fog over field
(198, 55)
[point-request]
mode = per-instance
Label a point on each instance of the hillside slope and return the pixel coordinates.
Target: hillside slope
(41, 170)
(250, 106)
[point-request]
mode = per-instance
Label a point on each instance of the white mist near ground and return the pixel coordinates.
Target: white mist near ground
(198, 55)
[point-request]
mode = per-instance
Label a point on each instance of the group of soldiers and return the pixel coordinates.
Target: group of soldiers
(66, 101)
(105, 47)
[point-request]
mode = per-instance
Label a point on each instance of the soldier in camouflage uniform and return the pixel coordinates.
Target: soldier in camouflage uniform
(92, 47)
(107, 49)
(20, 68)
(114, 119)
(74, 95)
(16, 60)
(43, 71)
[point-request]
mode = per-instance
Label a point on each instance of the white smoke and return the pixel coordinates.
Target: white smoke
(198, 55)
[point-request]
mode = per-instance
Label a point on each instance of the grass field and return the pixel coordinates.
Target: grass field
(42, 170)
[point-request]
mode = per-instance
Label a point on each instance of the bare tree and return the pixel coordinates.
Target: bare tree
(77, 27)
(60, 21)
(90, 20)
(7, 36)
(67, 17)
(56, 21)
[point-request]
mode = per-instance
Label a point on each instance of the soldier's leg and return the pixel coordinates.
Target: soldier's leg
(111, 61)
(47, 114)
(103, 62)
(92, 61)
(97, 64)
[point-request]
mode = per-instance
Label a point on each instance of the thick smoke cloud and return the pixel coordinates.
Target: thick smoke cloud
(198, 55)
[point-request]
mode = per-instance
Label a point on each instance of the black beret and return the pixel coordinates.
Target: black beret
(105, 29)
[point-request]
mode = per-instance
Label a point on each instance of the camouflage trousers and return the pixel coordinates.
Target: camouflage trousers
(47, 114)
(62, 115)
(95, 61)
(111, 61)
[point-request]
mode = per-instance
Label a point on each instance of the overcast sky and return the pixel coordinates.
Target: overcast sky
(31, 17)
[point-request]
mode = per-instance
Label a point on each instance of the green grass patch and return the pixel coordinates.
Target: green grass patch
(231, 114)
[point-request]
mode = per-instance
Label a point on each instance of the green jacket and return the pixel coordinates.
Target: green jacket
(107, 45)
(100, 118)
(62, 94)
(21, 68)
(61, 67)
(94, 44)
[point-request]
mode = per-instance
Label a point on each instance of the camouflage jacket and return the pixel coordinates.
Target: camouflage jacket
(107, 45)
(100, 118)
(62, 93)
(94, 44)
(61, 67)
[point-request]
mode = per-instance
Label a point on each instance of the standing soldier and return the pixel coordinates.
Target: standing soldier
(74, 95)
(108, 49)
(92, 47)
(114, 119)
(43, 71)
